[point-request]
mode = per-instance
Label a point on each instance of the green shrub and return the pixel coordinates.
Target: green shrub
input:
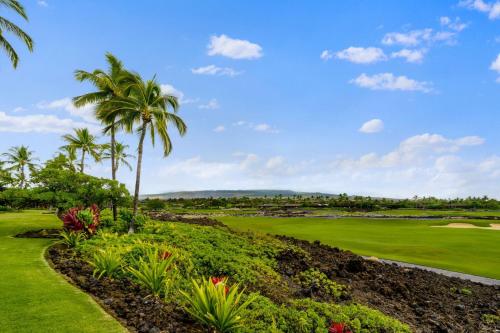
(216, 305)
(317, 282)
(124, 218)
(106, 263)
(155, 271)
(72, 238)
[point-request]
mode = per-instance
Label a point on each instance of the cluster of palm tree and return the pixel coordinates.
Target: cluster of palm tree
(14, 169)
(124, 101)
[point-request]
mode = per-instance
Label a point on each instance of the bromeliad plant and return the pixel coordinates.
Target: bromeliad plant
(106, 263)
(216, 305)
(78, 219)
(71, 238)
(155, 271)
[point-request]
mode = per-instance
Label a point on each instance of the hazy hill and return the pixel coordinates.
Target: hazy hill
(230, 194)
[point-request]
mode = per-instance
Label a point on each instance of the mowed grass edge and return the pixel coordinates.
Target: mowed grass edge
(33, 297)
(472, 251)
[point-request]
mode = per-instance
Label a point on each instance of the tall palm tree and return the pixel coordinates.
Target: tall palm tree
(110, 84)
(147, 109)
(20, 158)
(6, 25)
(121, 156)
(86, 143)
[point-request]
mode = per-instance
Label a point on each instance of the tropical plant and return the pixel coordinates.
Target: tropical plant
(120, 156)
(106, 263)
(8, 26)
(19, 158)
(155, 271)
(72, 238)
(78, 219)
(110, 84)
(86, 143)
(70, 153)
(338, 328)
(148, 108)
(216, 305)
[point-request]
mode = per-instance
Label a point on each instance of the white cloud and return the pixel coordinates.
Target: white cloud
(42, 3)
(19, 109)
(372, 126)
(213, 104)
(233, 48)
(40, 123)
(214, 70)
(326, 55)
(417, 37)
(219, 129)
(490, 8)
(413, 56)
(262, 127)
(169, 89)
(495, 66)
(456, 25)
(388, 81)
(426, 164)
(362, 55)
(86, 112)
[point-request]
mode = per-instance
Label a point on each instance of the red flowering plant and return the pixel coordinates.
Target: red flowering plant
(339, 328)
(79, 219)
(220, 281)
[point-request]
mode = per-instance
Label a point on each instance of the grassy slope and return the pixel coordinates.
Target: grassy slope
(33, 297)
(470, 251)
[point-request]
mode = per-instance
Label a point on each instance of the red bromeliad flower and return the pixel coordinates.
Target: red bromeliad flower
(338, 328)
(165, 255)
(220, 280)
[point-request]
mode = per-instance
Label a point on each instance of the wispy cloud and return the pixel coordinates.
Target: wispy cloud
(214, 70)
(213, 104)
(412, 56)
(372, 126)
(219, 129)
(233, 48)
(86, 112)
(41, 123)
(417, 37)
(492, 9)
(495, 66)
(261, 127)
(42, 3)
(388, 81)
(361, 55)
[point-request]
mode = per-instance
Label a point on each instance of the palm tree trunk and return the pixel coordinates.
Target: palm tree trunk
(137, 177)
(113, 170)
(21, 183)
(82, 162)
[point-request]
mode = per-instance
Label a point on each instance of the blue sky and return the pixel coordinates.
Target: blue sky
(366, 97)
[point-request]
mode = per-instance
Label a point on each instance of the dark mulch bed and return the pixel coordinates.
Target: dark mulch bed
(41, 233)
(202, 220)
(123, 299)
(427, 301)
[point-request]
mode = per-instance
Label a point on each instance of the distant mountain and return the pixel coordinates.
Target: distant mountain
(231, 194)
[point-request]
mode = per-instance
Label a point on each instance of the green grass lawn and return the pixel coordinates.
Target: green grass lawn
(34, 298)
(472, 251)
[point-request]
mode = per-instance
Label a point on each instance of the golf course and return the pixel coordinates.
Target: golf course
(467, 250)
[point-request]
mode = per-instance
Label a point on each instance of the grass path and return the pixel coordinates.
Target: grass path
(471, 251)
(34, 298)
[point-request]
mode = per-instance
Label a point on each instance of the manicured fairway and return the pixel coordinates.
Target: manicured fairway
(33, 298)
(472, 251)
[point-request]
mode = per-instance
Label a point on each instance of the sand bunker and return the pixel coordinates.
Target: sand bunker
(493, 226)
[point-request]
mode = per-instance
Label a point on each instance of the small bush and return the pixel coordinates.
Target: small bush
(106, 263)
(72, 238)
(316, 282)
(216, 305)
(125, 216)
(79, 219)
(155, 272)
